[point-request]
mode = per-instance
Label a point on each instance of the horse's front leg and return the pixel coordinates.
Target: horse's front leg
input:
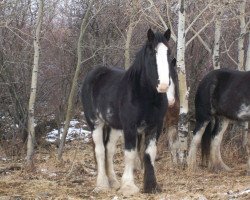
(150, 184)
(128, 186)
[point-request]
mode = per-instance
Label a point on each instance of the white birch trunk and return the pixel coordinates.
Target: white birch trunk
(247, 67)
(32, 99)
(242, 8)
(216, 50)
(183, 121)
(127, 46)
(73, 90)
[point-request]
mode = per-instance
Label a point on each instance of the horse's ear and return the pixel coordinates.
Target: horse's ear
(151, 35)
(173, 62)
(167, 34)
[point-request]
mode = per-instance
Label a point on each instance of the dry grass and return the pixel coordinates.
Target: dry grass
(74, 178)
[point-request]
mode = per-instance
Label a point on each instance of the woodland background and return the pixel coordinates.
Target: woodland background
(216, 35)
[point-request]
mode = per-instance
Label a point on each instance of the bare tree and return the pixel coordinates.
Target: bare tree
(216, 50)
(248, 54)
(132, 22)
(184, 93)
(31, 124)
(242, 7)
(75, 79)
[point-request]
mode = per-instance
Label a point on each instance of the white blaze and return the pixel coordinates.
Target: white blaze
(162, 63)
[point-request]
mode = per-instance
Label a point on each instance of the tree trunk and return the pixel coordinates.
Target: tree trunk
(245, 135)
(31, 129)
(183, 91)
(247, 67)
(216, 50)
(242, 8)
(129, 35)
(74, 82)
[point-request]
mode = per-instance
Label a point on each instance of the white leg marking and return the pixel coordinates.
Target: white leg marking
(102, 179)
(191, 159)
(215, 155)
(128, 186)
(151, 151)
(171, 93)
(111, 148)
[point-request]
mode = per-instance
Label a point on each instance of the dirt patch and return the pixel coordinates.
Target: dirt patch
(75, 177)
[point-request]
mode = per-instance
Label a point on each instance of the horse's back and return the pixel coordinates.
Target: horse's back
(225, 92)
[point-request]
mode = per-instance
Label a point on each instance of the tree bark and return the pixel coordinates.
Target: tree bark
(247, 67)
(32, 99)
(246, 125)
(183, 91)
(73, 90)
(216, 50)
(242, 8)
(129, 35)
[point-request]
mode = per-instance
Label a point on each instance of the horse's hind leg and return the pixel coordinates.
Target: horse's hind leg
(102, 179)
(198, 132)
(216, 163)
(110, 151)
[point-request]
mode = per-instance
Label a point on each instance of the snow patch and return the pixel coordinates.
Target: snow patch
(76, 131)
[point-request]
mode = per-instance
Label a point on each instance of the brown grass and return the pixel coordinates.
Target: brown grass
(74, 178)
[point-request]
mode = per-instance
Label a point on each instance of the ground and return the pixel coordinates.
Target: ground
(74, 177)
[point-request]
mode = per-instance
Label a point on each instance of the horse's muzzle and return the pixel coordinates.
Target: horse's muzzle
(162, 87)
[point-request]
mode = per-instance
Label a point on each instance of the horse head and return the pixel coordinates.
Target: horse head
(157, 60)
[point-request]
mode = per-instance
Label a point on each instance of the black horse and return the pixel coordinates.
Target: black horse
(222, 95)
(118, 102)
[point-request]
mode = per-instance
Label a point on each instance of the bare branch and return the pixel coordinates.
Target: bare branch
(196, 18)
(161, 19)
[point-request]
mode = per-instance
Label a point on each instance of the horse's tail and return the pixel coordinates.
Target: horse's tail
(87, 94)
(206, 140)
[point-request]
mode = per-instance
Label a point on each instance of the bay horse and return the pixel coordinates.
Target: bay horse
(118, 102)
(222, 95)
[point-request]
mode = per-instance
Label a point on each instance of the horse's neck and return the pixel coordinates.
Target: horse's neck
(138, 86)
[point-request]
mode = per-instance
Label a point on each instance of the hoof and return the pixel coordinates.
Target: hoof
(156, 189)
(102, 184)
(101, 189)
(128, 190)
(220, 168)
(114, 183)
